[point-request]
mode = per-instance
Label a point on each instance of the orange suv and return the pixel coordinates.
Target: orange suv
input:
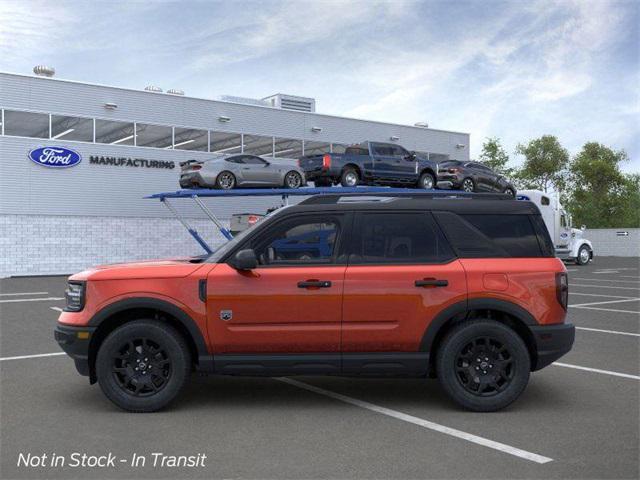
(466, 289)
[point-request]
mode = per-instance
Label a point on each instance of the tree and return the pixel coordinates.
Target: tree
(601, 195)
(545, 164)
(495, 157)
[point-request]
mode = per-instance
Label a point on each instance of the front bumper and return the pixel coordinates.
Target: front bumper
(552, 342)
(75, 343)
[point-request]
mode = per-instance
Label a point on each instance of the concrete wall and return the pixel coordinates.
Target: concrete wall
(607, 242)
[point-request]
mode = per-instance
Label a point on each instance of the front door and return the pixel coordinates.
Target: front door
(291, 303)
(401, 274)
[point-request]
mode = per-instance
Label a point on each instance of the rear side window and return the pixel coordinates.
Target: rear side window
(398, 238)
(544, 239)
(490, 235)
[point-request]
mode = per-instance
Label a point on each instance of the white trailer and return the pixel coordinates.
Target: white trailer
(569, 242)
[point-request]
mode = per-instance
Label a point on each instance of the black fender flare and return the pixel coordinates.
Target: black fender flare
(162, 306)
(461, 309)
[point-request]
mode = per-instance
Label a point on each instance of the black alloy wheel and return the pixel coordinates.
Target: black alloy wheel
(141, 367)
(484, 366)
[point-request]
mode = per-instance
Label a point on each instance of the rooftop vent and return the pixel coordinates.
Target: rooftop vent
(291, 102)
(153, 88)
(44, 71)
(175, 91)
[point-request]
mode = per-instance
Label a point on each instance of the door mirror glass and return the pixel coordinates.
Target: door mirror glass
(244, 260)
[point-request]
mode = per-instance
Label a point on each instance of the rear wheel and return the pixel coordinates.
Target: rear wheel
(293, 179)
(349, 178)
(226, 180)
(483, 365)
(143, 365)
(468, 185)
(584, 255)
(427, 181)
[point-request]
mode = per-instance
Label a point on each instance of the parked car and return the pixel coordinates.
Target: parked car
(371, 163)
(241, 170)
(570, 243)
(472, 177)
(390, 286)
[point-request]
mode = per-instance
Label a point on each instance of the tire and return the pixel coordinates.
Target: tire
(458, 367)
(584, 255)
(509, 191)
(225, 180)
(137, 341)
(427, 181)
(292, 180)
(349, 177)
(468, 185)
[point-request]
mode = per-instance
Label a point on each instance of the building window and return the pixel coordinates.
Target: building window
(190, 139)
(71, 128)
(225, 143)
(157, 136)
(258, 145)
(316, 148)
(26, 124)
(287, 148)
(114, 133)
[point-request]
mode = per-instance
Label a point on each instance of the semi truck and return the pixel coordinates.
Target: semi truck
(570, 243)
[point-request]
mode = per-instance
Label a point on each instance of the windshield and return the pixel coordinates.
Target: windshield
(226, 247)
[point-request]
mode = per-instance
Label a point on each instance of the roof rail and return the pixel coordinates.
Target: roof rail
(331, 198)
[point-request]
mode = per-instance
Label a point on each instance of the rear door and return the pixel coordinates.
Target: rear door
(401, 274)
(383, 160)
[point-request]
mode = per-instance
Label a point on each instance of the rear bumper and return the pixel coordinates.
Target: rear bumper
(75, 343)
(193, 180)
(552, 342)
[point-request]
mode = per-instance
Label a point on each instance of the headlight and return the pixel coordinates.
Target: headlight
(74, 294)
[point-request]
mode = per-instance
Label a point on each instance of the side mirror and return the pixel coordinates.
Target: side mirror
(244, 260)
(583, 228)
(411, 156)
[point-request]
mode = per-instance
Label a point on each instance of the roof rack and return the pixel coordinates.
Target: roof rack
(320, 195)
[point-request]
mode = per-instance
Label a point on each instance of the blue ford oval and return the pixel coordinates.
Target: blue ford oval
(55, 157)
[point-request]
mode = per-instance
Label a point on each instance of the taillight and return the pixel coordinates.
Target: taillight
(453, 170)
(326, 161)
(196, 167)
(562, 289)
(252, 219)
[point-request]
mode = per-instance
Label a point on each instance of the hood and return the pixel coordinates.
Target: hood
(169, 268)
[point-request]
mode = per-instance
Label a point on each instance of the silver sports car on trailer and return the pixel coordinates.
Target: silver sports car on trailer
(241, 170)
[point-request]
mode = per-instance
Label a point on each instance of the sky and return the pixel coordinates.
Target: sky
(513, 70)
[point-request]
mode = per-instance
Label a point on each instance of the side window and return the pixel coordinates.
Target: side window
(382, 149)
(399, 152)
(238, 159)
(513, 233)
(403, 237)
(253, 160)
(563, 221)
(299, 241)
(545, 201)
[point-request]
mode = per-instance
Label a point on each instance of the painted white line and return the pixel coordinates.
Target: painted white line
(610, 310)
(609, 270)
(605, 272)
(57, 309)
(629, 276)
(605, 280)
(597, 370)
(23, 293)
(23, 357)
(608, 331)
(421, 422)
(48, 299)
(595, 295)
(572, 269)
(604, 286)
(604, 303)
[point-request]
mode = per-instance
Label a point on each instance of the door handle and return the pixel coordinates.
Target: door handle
(431, 282)
(314, 284)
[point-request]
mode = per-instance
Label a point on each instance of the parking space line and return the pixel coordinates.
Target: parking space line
(597, 370)
(628, 276)
(596, 295)
(610, 310)
(421, 422)
(605, 280)
(604, 286)
(608, 331)
(604, 303)
(23, 357)
(57, 309)
(23, 293)
(15, 300)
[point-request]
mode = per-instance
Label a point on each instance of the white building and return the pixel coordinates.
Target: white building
(60, 220)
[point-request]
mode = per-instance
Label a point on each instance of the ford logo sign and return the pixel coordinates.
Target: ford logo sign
(55, 157)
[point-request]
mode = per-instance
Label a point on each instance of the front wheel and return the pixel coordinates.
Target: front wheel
(584, 255)
(293, 180)
(426, 181)
(143, 365)
(483, 365)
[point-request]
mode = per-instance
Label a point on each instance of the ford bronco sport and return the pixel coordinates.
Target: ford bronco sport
(466, 289)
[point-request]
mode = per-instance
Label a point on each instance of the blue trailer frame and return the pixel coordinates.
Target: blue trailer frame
(197, 194)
